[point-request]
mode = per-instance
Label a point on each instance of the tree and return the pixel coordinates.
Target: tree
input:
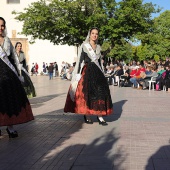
(157, 39)
(162, 33)
(63, 22)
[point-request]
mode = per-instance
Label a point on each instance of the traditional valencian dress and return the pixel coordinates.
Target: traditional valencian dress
(90, 95)
(14, 105)
(28, 85)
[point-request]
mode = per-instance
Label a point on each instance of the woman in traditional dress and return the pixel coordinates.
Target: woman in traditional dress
(89, 92)
(14, 105)
(28, 85)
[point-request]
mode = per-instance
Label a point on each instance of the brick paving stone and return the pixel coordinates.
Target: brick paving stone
(137, 136)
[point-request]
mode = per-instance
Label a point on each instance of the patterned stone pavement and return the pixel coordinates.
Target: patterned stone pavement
(137, 136)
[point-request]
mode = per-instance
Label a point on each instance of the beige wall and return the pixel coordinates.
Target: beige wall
(42, 50)
(25, 47)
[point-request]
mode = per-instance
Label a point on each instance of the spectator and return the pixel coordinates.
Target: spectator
(137, 76)
(50, 71)
(167, 62)
(119, 73)
(145, 81)
(126, 77)
(160, 71)
(167, 80)
(154, 64)
(44, 68)
(32, 69)
(133, 71)
(36, 69)
(54, 69)
(163, 81)
(111, 76)
(69, 73)
(63, 67)
(57, 73)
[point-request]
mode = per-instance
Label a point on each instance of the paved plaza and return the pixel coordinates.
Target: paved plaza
(137, 136)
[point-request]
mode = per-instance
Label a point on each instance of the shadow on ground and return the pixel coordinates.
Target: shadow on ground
(117, 111)
(38, 101)
(160, 160)
(98, 155)
(57, 141)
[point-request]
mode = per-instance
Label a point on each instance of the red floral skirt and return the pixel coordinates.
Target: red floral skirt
(79, 106)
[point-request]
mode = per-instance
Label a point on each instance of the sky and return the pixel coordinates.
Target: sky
(165, 4)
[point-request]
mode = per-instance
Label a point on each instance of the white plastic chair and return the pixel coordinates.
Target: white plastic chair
(152, 82)
(121, 78)
(113, 82)
(117, 79)
(164, 88)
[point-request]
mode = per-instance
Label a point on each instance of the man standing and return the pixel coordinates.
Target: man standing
(46, 66)
(57, 73)
(44, 69)
(54, 71)
(50, 71)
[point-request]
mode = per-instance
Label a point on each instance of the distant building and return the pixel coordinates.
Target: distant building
(42, 50)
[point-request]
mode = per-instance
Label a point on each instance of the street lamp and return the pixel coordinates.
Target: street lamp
(77, 45)
(83, 8)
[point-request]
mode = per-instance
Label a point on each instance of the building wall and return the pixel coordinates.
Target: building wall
(42, 50)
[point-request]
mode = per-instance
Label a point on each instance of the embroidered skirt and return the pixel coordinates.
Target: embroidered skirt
(14, 105)
(92, 96)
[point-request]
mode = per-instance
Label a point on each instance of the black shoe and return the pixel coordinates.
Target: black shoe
(0, 133)
(88, 121)
(12, 134)
(103, 123)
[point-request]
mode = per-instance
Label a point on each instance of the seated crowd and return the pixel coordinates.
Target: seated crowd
(66, 71)
(139, 75)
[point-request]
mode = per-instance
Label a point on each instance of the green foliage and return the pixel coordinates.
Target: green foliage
(156, 58)
(63, 22)
(158, 38)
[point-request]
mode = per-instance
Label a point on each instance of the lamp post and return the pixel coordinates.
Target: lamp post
(84, 8)
(77, 45)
